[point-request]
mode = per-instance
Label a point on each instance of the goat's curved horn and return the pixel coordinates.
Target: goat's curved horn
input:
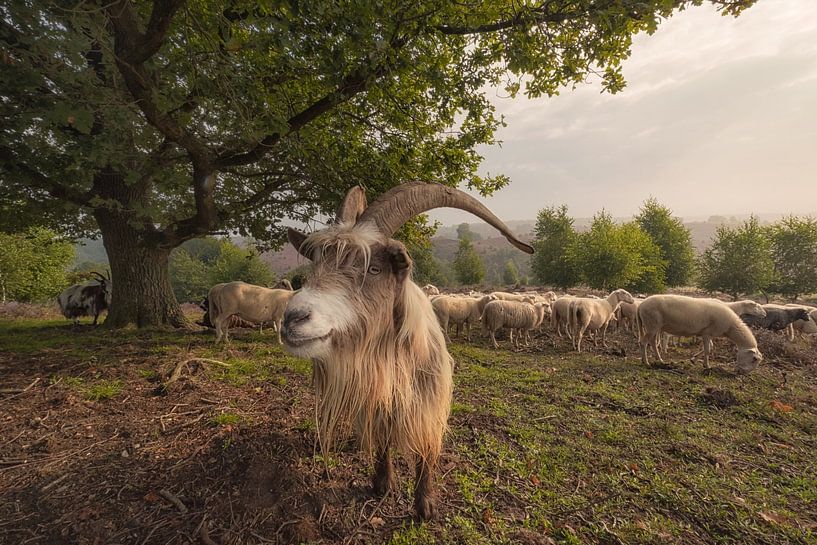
(353, 205)
(98, 276)
(397, 205)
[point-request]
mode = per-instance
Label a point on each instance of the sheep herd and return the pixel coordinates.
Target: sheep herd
(654, 321)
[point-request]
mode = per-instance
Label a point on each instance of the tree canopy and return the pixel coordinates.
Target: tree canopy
(158, 122)
(467, 264)
(612, 256)
(794, 251)
(553, 262)
(33, 264)
(739, 262)
(672, 238)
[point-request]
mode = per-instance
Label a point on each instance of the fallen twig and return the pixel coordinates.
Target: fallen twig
(174, 500)
(18, 391)
(205, 536)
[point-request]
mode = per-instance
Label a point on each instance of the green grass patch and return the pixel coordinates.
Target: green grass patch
(226, 419)
(103, 390)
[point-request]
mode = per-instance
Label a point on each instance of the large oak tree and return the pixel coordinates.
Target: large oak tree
(154, 122)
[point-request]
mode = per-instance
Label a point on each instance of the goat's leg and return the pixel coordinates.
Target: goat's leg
(424, 501)
(383, 479)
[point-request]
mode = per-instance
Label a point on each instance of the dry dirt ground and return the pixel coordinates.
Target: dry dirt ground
(546, 446)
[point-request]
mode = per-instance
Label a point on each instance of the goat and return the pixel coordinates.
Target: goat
(86, 298)
(380, 363)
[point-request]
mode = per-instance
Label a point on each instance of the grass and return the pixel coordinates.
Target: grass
(226, 419)
(545, 444)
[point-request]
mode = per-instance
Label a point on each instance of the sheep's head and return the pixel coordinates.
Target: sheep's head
(623, 296)
(756, 309)
(748, 359)
(360, 273)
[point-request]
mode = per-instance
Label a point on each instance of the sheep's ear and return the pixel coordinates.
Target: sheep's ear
(352, 206)
(297, 239)
(401, 263)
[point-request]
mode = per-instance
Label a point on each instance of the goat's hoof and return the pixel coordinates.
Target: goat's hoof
(425, 507)
(381, 485)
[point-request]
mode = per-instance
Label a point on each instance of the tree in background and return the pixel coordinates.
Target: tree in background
(464, 231)
(467, 263)
(553, 261)
(196, 267)
(511, 274)
(612, 256)
(739, 261)
(673, 239)
(416, 235)
(33, 265)
(794, 252)
(168, 120)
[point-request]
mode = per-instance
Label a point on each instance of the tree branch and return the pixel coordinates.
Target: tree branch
(356, 82)
(12, 164)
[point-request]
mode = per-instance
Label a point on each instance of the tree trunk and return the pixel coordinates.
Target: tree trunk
(142, 294)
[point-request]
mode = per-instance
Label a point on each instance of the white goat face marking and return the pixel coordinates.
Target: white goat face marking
(329, 312)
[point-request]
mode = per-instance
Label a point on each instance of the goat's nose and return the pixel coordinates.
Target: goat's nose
(295, 316)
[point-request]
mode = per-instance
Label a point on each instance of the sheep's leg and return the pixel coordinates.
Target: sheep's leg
(445, 330)
(96, 317)
(579, 337)
(789, 332)
(277, 326)
(383, 479)
(493, 338)
(219, 333)
(644, 342)
(467, 327)
(424, 501)
(707, 348)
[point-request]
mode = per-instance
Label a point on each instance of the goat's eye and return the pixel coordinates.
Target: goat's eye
(374, 269)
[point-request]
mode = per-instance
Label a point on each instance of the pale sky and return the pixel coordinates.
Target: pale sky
(719, 116)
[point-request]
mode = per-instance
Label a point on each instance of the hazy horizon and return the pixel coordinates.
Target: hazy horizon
(719, 117)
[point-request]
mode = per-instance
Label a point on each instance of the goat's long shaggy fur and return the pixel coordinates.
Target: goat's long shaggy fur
(390, 375)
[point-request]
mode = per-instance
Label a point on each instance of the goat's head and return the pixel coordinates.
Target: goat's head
(359, 280)
(104, 283)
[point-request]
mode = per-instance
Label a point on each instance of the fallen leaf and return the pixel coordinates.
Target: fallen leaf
(769, 516)
(377, 522)
(534, 479)
(488, 517)
(151, 497)
(634, 468)
(588, 434)
(782, 407)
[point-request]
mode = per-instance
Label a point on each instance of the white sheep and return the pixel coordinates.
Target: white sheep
(430, 290)
(460, 312)
(251, 303)
(512, 315)
(520, 297)
(594, 315)
(691, 317)
(560, 315)
(746, 306)
(626, 315)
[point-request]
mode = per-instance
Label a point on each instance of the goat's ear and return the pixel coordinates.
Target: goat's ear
(297, 239)
(353, 205)
(400, 261)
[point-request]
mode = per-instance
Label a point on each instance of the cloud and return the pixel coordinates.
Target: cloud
(718, 118)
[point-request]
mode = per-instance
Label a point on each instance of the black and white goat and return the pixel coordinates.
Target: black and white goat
(86, 298)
